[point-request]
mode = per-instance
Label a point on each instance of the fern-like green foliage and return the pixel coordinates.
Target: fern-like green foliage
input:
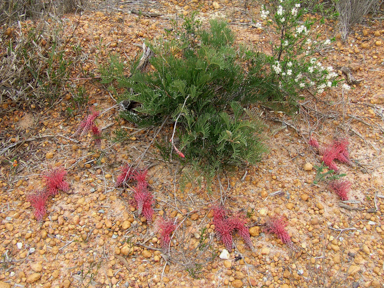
(203, 81)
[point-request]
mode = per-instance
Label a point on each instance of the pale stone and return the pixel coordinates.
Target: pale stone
(366, 249)
(239, 275)
(49, 155)
(263, 211)
(33, 277)
(290, 206)
(126, 250)
(227, 264)
(37, 267)
(67, 283)
(237, 283)
(9, 227)
(147, 254)
(224, 254)
(353, 269)
(336, 259)
(126, 224)
(194, 217)
(308, 166)
(254, 231)
(265, 251)
(216, 5)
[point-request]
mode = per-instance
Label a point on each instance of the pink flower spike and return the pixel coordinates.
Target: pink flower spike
(38, 201)
(87, 123)
(55, 181)
(140, 176)
(225, 226)
(125, 175)
(97, 135)
(166, 228)
(144, 201)
(239, 223)
(277, 226)
(328, 157)
(313, 142)
(341, 146)
(341, 188)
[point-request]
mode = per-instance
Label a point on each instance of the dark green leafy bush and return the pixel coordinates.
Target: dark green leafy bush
(201, 82)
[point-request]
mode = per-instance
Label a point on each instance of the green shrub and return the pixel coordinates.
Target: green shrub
(201, 82)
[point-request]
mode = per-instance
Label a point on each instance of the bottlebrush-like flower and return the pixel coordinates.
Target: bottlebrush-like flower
(38, 201)
(338, 150)
(144, 201)
(97, 135)
(328, 156)
(127, 173)
(87, 123)
(341, 146)
(166, 228)
(55, 181)
(341, 188)
(239, 224)
(277, 226)
(140, 176)
(313, 142)
(225, 226)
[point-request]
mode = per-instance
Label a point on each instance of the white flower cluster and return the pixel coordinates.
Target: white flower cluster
(294, 11)
(280, 10)
(264, 13)
(327, 42)
(277, 67)
(346, 87)
(301, 29)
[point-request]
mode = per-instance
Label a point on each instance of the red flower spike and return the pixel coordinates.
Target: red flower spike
(97, 135)
(87, 123)
(341, 188)
(55, 181)
(313, 142)
(166, 228)
(140, 176)
(144, 201)
(239, 224)
(328, 156)
(341, 146)
(225, 226)
(38, 201)
(277, 226)
(125, 176)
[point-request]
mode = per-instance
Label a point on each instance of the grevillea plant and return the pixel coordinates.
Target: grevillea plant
(38, 201)
(340, 188)
(142, 197)
(55, 181)
(225, 226)
(165, 228)
(276, 225)
(337, 150)
(96, 135)
(126, 174)
(87, 123)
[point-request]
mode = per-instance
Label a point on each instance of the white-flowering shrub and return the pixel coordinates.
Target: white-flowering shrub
(293, 60)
